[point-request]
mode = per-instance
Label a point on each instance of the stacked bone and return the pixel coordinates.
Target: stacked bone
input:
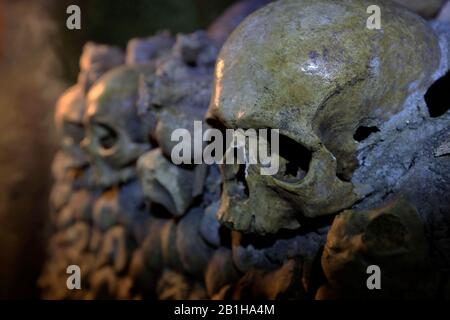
(315, 72)
(156, 237)
(76, 240)
(140, 226)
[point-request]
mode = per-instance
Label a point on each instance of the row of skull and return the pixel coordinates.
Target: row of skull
(307, 68)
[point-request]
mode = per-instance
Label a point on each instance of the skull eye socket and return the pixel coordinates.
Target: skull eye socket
(107, 136)
(436, 97)
(74, 130)
(386, 232)
(298, 158)
(363, 132)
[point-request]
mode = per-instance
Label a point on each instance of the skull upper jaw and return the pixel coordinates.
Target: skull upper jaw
(267, 204)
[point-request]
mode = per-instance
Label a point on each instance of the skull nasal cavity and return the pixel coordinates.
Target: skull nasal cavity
(74, 130)
(240, 177)
(437, 97)
(108, 138)
(362, 133)
(298, 157)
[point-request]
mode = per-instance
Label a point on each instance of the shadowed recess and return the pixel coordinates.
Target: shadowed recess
(437, 96)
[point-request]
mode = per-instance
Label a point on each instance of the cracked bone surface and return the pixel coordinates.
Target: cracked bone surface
(314, 73)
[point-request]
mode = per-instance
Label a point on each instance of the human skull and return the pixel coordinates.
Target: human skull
(115, 135)
(69, 114)
(314, 71)
(71, 106)
(171, 186)
(391, 237)
(179, 93)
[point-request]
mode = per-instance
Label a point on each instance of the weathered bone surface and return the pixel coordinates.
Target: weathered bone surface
(221, 271)
(69, 115)
(103, 284)
(427, 9)
(210, 226)
(79, 207)
(392, 166)
(444, 14)
(391, 237)
(71, 168)
(115, 135)
(269, 253)
(221, 28)
(267, 285)
(169, 102)
(171, 259)
(144, 50)
(176, 286)
(114, 249)
(318, 80)
(166, 184)
(192, 249)
(125, 206)
(359, 141)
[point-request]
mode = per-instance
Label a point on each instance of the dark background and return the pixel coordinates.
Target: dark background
(38, 60)
(115, 22)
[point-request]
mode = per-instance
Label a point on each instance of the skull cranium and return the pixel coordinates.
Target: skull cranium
(115, 135)
(316, 73)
